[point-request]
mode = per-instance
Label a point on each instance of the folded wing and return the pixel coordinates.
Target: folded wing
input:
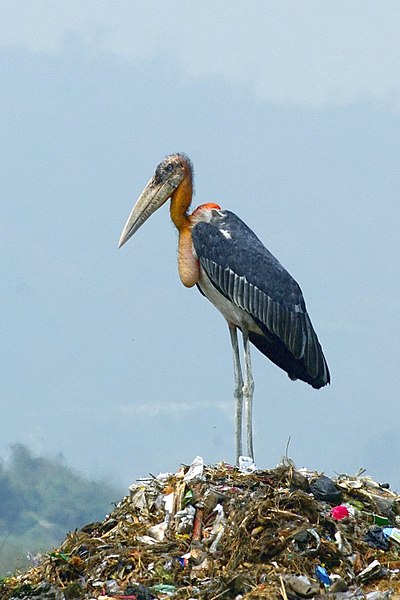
(249, 276)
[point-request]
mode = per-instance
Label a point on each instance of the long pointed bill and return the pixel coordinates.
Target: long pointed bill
(153, 196)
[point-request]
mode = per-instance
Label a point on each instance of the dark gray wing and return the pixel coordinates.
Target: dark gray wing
(244, 271)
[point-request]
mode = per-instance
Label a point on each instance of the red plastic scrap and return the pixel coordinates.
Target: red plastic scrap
(339, 512)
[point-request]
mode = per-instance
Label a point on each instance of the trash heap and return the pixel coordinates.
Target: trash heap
(221, 532)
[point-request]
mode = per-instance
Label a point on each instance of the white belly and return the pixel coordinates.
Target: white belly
(232, 313)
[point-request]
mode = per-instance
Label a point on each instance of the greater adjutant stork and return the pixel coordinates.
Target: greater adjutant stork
(233, 269)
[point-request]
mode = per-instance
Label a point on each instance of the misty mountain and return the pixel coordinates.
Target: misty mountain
(40, 500)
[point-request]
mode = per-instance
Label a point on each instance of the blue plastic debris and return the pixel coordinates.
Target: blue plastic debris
(322, 575)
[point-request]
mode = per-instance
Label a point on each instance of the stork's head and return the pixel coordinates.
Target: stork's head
(169, 174)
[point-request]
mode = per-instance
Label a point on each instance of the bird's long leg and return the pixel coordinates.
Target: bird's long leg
(237, 392)
(248, 389)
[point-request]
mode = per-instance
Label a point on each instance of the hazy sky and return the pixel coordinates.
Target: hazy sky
(290, 112)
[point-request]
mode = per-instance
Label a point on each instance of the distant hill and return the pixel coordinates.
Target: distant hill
(40, 500)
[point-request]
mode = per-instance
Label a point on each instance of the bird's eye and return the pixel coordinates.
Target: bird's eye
(170, 167)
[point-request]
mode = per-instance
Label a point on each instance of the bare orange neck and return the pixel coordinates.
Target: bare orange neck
(180, 202)
(188, 265)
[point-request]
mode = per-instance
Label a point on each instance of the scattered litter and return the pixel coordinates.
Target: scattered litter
(300, 584)
(393, 533)
(195, 470)
(340, 512)
(379, 520)
(322, 575)
(323, 488)
(136, 592)
(376, 538)
(208, 532)
(373, 569)
(246, 464)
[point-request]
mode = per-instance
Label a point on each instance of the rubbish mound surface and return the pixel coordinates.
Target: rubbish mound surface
(220, 532)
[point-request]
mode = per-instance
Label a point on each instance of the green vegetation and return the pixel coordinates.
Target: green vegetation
(41, 499)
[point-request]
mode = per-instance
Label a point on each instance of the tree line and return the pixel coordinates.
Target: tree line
(41, 499)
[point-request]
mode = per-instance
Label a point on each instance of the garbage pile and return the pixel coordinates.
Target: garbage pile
(221, 532)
